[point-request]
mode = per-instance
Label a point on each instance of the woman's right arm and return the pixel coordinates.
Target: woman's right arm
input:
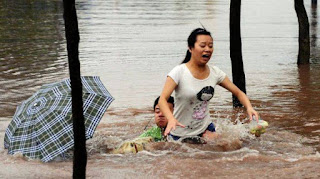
(168, 88)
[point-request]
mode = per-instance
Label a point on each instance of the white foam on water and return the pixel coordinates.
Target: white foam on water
(231, 134)
(304, 157)
(237, 158)
(310, 124)
(243, 150)
(153, 154)
(111, 155)
(232, 130)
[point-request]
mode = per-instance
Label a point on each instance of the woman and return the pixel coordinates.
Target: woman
(194, 82)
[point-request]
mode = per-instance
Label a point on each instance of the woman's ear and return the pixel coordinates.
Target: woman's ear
(189, 49)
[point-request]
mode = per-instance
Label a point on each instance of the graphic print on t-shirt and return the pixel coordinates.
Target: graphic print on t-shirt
(199, 111)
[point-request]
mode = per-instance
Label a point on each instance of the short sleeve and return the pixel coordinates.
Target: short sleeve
(220, 75)
(175, 73)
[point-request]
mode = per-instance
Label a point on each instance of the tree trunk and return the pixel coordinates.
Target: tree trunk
(314, 52)
(238, 75)
(72, 36)
(304, 39)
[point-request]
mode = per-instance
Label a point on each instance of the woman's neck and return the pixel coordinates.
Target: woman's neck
(192, 65)
(198, 71)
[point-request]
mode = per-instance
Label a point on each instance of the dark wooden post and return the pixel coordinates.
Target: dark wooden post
(72, 36)
(304, 39)
(313, 29)
(238, 75)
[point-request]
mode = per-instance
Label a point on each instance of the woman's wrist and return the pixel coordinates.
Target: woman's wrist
(171, 120)
(249, 108)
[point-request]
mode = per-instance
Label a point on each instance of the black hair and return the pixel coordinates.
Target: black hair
(192, 40)
(170, 100)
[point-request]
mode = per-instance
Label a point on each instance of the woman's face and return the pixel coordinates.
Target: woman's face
(203, 49)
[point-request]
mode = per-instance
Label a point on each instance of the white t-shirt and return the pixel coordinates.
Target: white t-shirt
(191, 99)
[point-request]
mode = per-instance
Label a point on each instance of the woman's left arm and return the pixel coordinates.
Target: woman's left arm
(227, 84)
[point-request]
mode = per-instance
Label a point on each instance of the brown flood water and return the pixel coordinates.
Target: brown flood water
(132, 45)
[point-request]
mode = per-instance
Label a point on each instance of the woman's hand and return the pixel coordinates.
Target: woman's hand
(251, 112)
(172, 126)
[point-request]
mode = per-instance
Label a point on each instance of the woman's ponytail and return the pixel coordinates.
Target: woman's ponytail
(187, 58)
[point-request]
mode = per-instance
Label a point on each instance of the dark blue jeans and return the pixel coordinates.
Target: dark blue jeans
(210, 128)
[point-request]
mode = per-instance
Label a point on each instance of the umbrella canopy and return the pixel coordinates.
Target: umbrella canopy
(42, 125)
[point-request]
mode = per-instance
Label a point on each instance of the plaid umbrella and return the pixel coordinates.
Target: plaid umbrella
(42, 125)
